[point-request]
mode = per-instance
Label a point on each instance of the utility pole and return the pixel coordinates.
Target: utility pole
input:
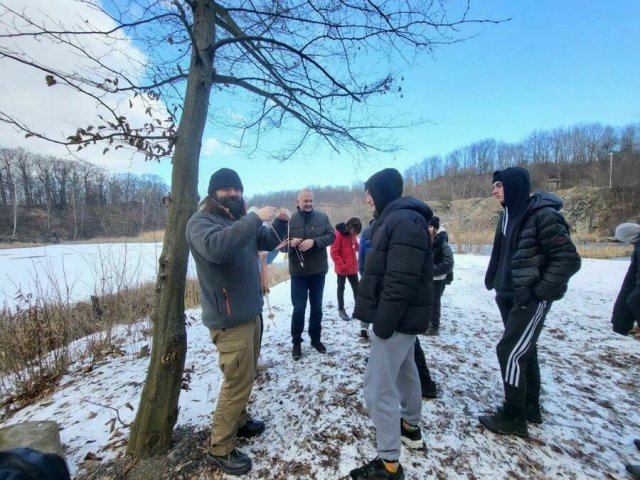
(610, 167)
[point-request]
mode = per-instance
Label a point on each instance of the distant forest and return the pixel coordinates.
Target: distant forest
(48, 199)
(590, 155)
(583, 155)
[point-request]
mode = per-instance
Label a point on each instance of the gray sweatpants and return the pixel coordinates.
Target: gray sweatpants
(392, 390)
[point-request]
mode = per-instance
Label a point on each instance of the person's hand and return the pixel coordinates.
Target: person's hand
(266, 214)
(306, 245)
(295, 242)
(283, 214)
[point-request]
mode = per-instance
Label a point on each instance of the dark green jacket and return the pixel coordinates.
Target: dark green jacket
(226, 252)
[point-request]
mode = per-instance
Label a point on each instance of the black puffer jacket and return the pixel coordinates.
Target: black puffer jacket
(627, 306)
(544, 257)
(442, 255)
(396, 290)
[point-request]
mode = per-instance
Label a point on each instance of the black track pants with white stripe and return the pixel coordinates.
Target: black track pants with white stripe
(517, 351)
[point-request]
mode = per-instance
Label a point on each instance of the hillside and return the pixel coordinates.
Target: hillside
(592, 212)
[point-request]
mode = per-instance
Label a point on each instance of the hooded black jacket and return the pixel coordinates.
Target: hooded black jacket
(442, 254)
(396, 289)
(627, 306)
(543, 257)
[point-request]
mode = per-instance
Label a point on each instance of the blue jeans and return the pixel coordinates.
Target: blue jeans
(311, 287)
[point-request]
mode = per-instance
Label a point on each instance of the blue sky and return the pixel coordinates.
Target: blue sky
(556, 63)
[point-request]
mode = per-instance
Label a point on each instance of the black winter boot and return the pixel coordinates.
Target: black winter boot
(297, 351)
(634, 471)
(233, 463)
(251, 429)
(532, 411)
(505, 422)
(430, 390)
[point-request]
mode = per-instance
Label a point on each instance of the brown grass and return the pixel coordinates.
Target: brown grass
(277, 273)
(35, 340)
(604, 250)
(588, 245)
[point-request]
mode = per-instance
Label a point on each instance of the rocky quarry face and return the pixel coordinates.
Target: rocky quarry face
(590, 211)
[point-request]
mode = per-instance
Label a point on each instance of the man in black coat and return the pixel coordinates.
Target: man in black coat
(395, 294)
(310, 233)
(532, 260)
(626, 310)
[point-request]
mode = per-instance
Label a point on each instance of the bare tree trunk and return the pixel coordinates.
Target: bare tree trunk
(15, 207)
(143, 216)
(158, 409)
(75, 213)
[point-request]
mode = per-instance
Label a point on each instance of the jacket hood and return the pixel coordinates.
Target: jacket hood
(384, 187)
(342, 228)
(441, 236)
(628, 232)
(409, 203)
(545, 199)
(517, 187)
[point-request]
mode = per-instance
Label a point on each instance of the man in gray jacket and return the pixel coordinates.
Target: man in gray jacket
(310, 233)
(224, 241)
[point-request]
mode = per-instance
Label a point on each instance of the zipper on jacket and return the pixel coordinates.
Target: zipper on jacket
(226, 301)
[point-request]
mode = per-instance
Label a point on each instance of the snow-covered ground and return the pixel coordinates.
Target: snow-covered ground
(317, 426)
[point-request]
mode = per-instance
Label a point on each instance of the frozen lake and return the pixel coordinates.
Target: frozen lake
(75, 272)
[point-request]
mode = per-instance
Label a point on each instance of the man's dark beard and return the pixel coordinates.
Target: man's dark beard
(235, 205)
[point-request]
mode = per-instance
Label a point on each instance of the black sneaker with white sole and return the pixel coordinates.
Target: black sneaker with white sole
(411, 435)
(375, 470)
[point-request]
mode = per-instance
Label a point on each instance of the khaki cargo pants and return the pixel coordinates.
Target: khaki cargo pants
(238, 351)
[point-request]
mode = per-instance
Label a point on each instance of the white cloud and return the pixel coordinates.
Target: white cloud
(211, 146)
(59, 110)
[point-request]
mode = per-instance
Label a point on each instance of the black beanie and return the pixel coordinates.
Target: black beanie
(384, 187)
(435, 222)
(223, 178)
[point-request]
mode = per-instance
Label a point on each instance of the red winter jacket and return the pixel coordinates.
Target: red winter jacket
(343, 252)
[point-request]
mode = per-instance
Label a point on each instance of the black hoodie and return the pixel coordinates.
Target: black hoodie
(396, 289)
(517, 187)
